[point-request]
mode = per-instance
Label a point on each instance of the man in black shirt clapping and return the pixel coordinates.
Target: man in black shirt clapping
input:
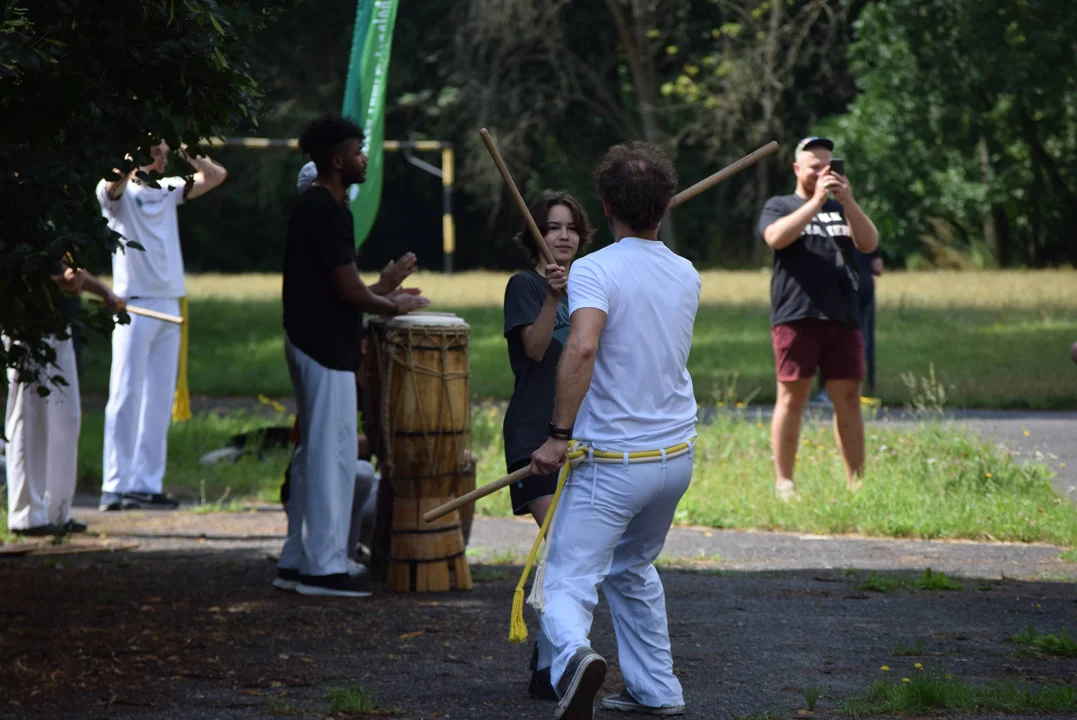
(324, 299)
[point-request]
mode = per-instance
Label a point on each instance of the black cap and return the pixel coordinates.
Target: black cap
(810, 142)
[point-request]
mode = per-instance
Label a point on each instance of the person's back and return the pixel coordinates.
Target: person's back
(652, 296)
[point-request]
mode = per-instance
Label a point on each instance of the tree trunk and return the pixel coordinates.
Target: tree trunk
(769, 99)
(641, 67)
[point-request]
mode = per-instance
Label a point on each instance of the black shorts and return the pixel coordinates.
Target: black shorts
(526, 491)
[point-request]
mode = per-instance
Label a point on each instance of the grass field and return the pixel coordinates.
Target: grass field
(931, 481)
(995, 339)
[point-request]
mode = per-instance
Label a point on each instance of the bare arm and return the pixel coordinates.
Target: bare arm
(349, 287)
(394, 273)
(208, 174)
(116, 188)
(577, 364)
(573, 380)
(865, 235)
(784, 231)
(94, 286)
(536, 336)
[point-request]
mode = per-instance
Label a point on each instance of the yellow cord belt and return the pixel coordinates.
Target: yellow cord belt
(577, 454)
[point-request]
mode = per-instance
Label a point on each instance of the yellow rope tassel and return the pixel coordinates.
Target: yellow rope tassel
(181, 401)
(517, 627)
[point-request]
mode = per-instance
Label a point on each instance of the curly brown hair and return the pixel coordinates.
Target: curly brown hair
(540, 211)
(636, 181)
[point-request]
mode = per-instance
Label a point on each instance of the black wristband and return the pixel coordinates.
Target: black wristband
(560, 433)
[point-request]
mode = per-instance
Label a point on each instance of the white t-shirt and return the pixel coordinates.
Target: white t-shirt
(147, 216)
(641, 394)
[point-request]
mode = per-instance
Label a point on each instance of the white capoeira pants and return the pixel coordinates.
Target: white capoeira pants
(43, 443)
(323, 467)
(145, 357)
(612, 521)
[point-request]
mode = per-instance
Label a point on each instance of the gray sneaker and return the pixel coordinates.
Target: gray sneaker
(579, 685)
(626, 703)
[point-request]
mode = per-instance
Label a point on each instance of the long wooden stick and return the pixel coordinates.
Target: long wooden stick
(709, 182)
(531, 226)
(134, 310)
(477, 493)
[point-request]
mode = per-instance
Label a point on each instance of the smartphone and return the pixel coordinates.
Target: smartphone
(837, 166)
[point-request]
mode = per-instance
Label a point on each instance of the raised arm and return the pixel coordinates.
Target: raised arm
(536, 337)
(208, 174)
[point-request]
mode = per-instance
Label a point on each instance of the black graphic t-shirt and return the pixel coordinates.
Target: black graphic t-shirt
(531, 407)
(816, 275)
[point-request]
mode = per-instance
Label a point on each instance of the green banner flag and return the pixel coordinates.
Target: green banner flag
(364, 102)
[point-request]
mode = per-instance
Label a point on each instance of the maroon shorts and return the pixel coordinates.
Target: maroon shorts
(804, 346)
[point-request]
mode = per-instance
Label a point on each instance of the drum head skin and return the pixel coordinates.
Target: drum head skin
(429, 320)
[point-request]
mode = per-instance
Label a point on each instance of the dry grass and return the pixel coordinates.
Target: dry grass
(1006, 289)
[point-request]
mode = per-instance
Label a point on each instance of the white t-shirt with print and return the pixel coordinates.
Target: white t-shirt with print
(641, 394)
(147, 216)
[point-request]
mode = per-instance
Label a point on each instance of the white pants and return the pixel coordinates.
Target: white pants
(612, 521)
(362, 501)
(145, 356)
(323, 467)
(43, 443)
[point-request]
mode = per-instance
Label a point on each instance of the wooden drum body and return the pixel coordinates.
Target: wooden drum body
(426, 427)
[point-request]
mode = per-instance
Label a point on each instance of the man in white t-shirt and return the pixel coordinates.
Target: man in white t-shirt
(622, 386)
(145, 353)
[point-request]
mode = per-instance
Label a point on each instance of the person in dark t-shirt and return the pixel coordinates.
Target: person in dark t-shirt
(815, 316)
(324, 298)
(536, 327)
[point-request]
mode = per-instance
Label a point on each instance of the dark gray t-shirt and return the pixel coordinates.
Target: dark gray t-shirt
(816, 276)
(531, 407)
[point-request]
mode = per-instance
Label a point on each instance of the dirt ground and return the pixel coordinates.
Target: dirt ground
(188, 626)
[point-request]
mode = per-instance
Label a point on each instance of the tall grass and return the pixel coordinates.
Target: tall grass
(994, 339)
(933, 481)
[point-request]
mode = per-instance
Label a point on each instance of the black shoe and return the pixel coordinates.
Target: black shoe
(540, 686)
(626, 703)
(73, 526)
(151, 501)
(38, 531)
(338, 585)
(580, 685)
(110, 501)
(287, 579)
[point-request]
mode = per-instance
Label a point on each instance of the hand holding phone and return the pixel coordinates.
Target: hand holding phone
(837, 166)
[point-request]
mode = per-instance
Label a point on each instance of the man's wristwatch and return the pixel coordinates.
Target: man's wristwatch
(560, 433)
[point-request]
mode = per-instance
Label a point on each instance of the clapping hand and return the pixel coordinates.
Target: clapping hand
(396, 271)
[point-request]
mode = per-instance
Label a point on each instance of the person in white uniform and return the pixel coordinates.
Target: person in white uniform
(145, 353)
(323, 299)
(622, 386)
(43, 431)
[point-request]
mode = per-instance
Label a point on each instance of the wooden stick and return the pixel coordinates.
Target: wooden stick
(531, 226)
(134, 310)
(709, 182)
(477, 493)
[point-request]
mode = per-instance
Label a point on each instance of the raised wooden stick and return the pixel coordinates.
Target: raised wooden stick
(709, 182)
(134, 310)
(531, 226)
(477, 493)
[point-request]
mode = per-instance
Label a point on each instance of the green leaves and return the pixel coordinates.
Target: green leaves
(107, 78)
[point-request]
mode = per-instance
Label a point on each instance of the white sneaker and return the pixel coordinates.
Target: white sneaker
(357, 569)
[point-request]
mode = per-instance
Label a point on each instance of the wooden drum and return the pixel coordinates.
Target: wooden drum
(426, 426)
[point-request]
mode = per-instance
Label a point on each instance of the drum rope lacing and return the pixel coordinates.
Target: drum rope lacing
(578, 454)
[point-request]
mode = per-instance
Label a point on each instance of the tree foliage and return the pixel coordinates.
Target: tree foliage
(82, 84)
(963, 139)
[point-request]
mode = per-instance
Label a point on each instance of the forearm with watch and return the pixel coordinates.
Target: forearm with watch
(573, 380)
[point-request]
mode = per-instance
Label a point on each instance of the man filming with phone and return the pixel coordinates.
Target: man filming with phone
(815, 317)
